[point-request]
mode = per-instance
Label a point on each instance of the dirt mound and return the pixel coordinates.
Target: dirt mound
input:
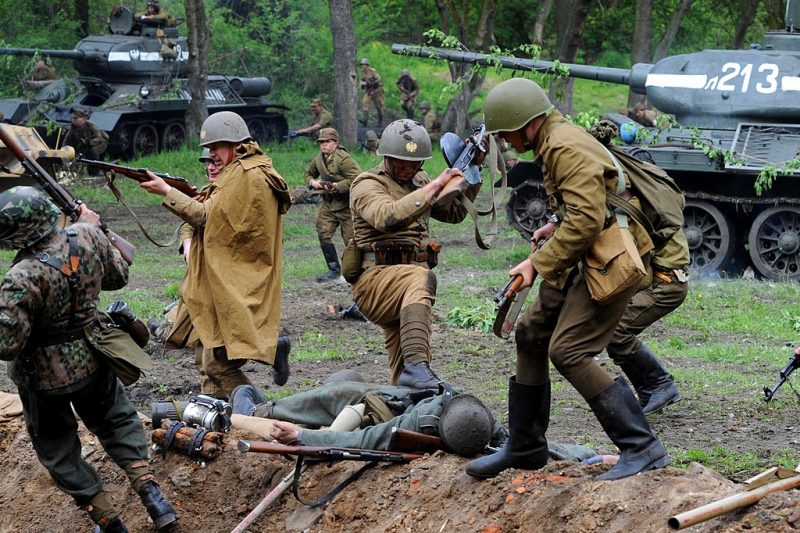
(430, 494)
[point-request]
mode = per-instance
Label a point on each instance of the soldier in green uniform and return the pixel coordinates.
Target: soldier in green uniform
(370, 143)
(331, 172)
(430, 120)
(373, 92)
(48, 307)
(409, 89)
(85, 137)
(565, 325)
(392, 205)
(154, 16)
(320, 118)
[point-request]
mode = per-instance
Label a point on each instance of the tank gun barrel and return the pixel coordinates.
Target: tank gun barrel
(60, 54)
(635, 77)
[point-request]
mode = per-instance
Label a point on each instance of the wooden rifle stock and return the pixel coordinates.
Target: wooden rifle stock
(60, 196)
(326, 453)
(140, 175)
(405, 440)
(505, 297)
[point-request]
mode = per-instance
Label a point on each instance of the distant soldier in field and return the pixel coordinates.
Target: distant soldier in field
(331, 172)
(370, 143)
(409, 89)
(392, 206)
(320, 118)
(87, 139)
(430, 120)
(373, 92)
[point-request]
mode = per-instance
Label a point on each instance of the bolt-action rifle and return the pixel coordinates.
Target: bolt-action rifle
(794, 364)
(140, 175)
(60, 196)
(322, 453)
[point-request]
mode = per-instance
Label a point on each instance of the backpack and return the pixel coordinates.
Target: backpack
(661, 199)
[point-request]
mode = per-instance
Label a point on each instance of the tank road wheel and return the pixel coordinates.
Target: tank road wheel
(775, 243)
(173, 136)
(258, 129)
(527, 208)
(145, 140)
(709, 235)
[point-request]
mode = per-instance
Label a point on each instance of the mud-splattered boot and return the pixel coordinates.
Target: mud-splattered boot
(161, 512)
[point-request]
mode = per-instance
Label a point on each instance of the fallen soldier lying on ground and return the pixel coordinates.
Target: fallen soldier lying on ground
(465, 425)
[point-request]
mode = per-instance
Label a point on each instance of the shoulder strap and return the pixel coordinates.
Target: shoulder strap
(336, 490)
(623, 209)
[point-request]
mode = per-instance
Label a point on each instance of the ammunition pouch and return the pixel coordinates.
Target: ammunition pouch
(124, 319)
(351, 262)
(401, 253)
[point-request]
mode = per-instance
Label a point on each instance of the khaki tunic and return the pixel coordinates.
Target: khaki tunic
(384, 209)
(87, 140)
(431, 122)
(334, 211)
(232, 289)
(373, 89)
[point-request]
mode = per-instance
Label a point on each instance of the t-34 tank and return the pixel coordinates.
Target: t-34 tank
(737, 112)
(133, 83)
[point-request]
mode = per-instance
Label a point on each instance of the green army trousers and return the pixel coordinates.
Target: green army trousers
(329, 220)
(568, 328)
(648, 305)
(106, 411)
(383, 291)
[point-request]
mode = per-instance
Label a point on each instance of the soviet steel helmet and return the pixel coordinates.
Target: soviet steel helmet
(224, 126)
(405, 72)
(405, 139)
(371, 135)
(364, 61)
(465, 425)
(513, 103)
(424, 104)
(328, 134)
(205, 156)
(344, 375)
(26, 217)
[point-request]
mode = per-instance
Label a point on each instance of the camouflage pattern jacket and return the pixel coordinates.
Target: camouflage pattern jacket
(36, 307)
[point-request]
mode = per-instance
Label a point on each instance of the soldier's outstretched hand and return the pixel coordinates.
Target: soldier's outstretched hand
(88, 216)
(285, 432)
(155, 185)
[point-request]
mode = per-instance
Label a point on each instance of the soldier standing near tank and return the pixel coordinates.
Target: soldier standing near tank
(235, 253)
(48, 302)
(373, 92)
(409, 89)
(87, 139)
(320, 118)
(564, 325)
(331, 172)
(392, 205)
(430, 120)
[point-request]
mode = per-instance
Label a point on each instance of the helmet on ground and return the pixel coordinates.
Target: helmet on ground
(405, 72)
(465, 425)
(328, 134)
(26, 217)
(424, 104)
(205, 156)
(345, 374)
(224, 126)
(513, 103)
(371, 135)
(627, 132)
(364, 61)
(405, 139)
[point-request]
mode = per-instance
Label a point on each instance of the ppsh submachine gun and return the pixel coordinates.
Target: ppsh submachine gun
(783, 377)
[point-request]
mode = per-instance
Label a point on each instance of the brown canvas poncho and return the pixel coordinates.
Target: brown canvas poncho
(231, 293)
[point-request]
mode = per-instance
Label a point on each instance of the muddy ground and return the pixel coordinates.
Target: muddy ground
(430, 494)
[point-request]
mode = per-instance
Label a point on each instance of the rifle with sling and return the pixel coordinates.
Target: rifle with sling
(60, 196)
(794, 364)
(140, 175)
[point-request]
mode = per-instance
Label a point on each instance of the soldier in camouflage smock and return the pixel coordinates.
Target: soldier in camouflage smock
(85, 137)
(330, 173)
(48, 303)
(392, 205)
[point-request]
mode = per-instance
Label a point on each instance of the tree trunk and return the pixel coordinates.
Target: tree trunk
(642, 36)
(747, 18)
(198, 36)
(344, 69)
(541, 19)
(662, 49)
(82, 16)
(570, 22)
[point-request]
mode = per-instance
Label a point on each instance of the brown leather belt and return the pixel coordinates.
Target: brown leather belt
(368, 259)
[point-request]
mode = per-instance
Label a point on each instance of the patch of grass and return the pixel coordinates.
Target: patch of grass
(727, 462)
(480, 317)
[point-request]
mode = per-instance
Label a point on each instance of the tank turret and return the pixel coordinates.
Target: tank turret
(132, 83)
(735, 113)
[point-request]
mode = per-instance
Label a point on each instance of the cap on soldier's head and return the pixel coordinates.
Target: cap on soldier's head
(224, 126)
(405, 139)
(424, 104)
(316, 101)
(510, 105)
(205, 156)
(328, 134)
(78, 113)
(364, 61)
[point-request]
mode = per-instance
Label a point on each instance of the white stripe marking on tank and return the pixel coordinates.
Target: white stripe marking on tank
(790, 83)
(143, 56)
(680, 81)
